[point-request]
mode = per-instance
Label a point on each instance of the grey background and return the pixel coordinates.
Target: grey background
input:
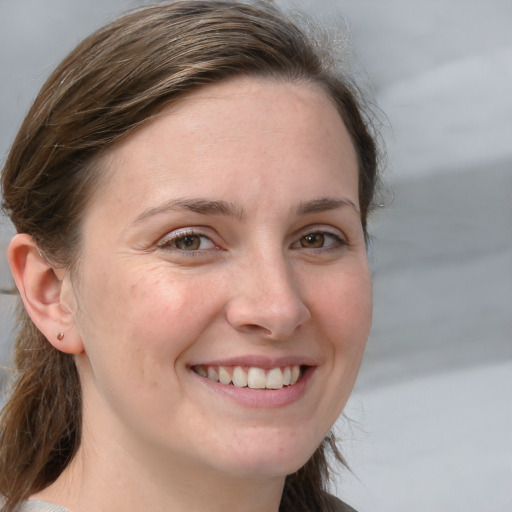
(432, 409)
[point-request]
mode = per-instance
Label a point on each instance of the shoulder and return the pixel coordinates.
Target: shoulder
(40, 506)
(336, 505)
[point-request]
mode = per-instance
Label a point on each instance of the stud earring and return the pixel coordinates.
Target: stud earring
(60, 336)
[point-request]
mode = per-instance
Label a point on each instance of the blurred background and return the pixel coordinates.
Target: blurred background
(431, 417)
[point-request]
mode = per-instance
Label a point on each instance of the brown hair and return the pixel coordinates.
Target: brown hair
(113, 82)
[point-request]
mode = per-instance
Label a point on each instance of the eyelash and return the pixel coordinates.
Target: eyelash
(169, 242)
(338, 241)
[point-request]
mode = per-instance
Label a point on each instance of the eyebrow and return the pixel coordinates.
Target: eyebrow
(202, 206)
(218, 207)
(325, 204)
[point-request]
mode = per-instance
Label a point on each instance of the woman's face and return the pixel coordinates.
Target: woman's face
(225, 244)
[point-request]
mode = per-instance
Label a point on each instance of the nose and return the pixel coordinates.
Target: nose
(267, 300)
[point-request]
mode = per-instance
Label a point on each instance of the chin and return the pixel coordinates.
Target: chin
(275, 458)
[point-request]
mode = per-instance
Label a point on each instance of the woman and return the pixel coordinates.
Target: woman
(190, 191)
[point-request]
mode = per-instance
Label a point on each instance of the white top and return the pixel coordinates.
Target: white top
(40, 506)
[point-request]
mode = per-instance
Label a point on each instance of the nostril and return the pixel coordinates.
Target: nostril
(256, 329)
(263, 316)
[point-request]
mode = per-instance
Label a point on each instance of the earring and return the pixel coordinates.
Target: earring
(60, 336)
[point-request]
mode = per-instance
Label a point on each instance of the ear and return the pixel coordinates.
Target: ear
(47, 294)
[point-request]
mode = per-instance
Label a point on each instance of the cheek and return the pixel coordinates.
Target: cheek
(135, 327)
(172, 306)
(345, 318)
(142, 316)
(345, 308)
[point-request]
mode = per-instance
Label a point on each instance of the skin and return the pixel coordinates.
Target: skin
(141, 311)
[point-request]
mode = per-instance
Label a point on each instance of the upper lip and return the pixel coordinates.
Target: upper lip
(259, 361)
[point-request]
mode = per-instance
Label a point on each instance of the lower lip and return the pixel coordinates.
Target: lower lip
(262, 398)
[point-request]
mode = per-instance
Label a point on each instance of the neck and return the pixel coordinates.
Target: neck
(115, 479)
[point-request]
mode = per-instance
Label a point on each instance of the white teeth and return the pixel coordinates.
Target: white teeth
(274, 379)
(239, 377)
(295, 374)
(256, 378)
(287, 376)
(224, 376)
(201, 371)
(212, 374)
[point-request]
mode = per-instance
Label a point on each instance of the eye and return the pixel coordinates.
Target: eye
(187, 241)
(319, 240)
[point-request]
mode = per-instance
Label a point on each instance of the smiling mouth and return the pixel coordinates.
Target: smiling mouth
(251, 377)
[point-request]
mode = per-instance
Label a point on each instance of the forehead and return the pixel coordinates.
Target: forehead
(245, 128)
